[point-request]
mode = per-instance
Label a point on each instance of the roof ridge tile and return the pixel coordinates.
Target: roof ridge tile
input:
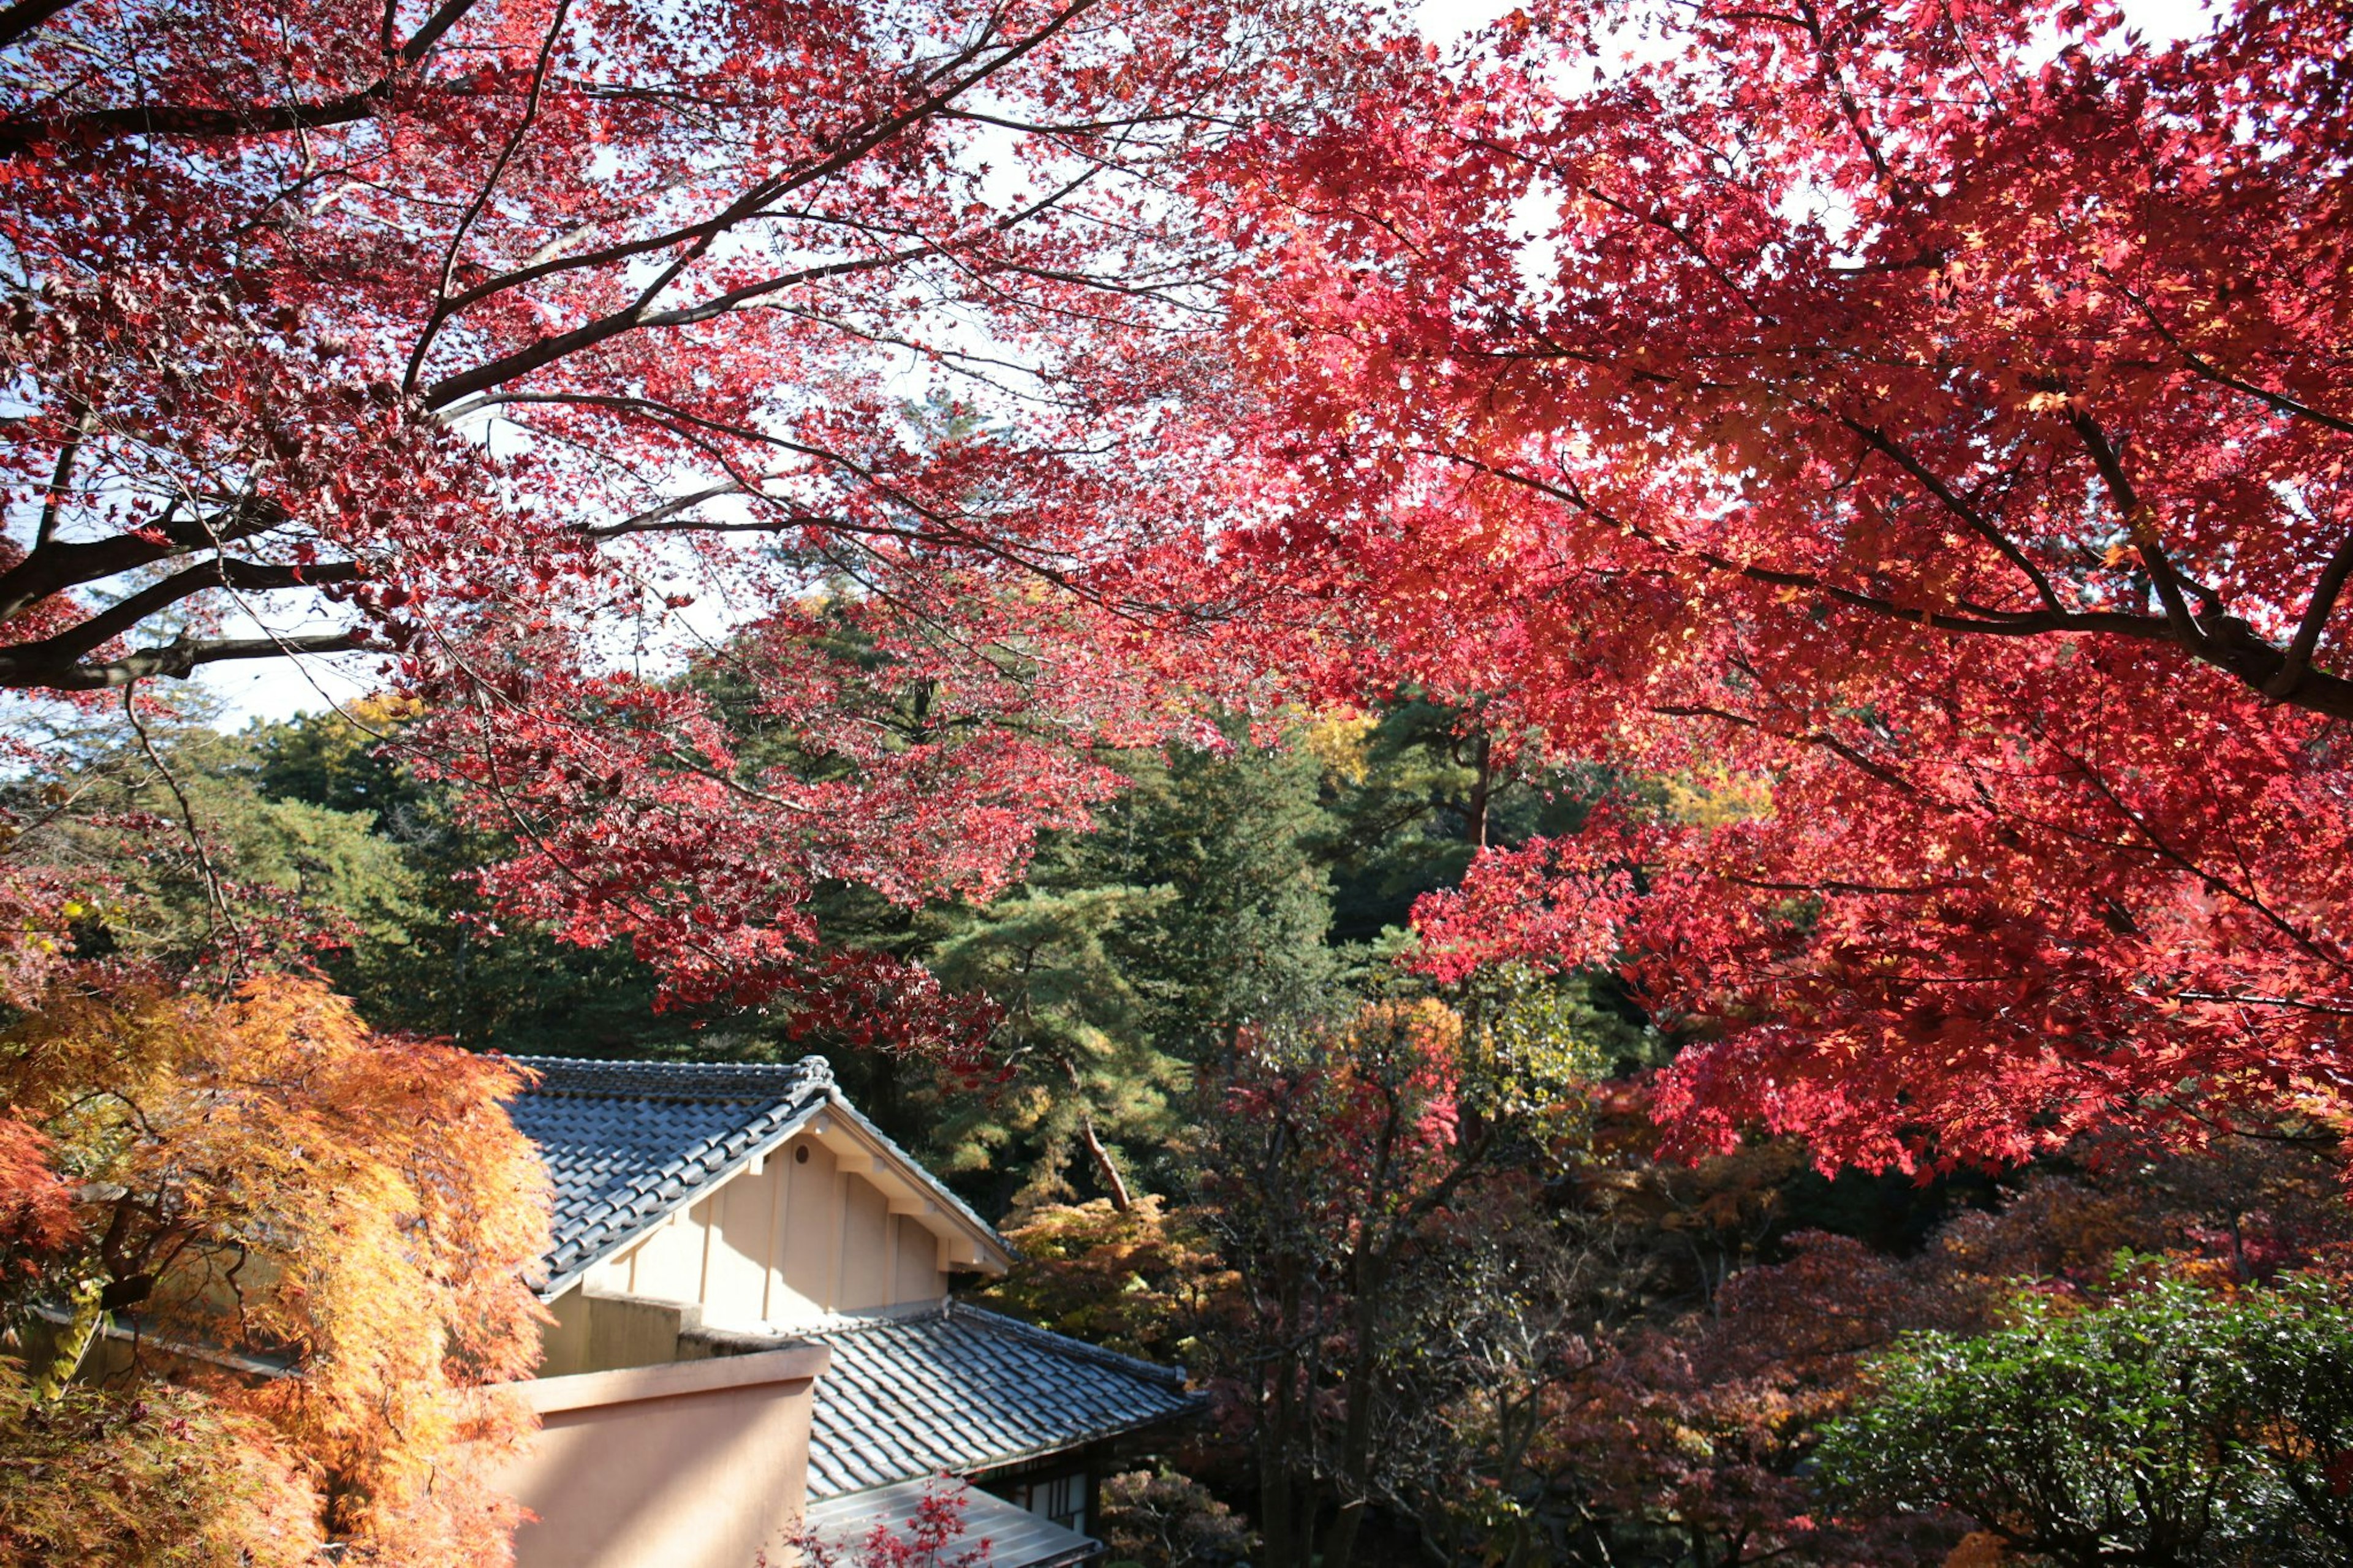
(1014, 1328)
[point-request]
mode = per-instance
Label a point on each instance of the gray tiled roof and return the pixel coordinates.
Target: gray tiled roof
(626, 1142)
(965, 1390)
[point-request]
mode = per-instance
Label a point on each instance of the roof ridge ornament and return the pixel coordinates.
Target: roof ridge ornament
(746, 1082)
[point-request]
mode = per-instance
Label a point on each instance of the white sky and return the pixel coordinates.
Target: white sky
(2160, 21)
(281, 687)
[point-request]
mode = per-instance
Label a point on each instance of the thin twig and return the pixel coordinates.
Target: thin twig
(214, 892)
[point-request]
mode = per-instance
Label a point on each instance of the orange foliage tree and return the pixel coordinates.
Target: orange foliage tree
(318, 1234)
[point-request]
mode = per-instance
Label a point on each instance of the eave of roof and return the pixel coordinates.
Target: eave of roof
(1016, 1538)
(908, 1163)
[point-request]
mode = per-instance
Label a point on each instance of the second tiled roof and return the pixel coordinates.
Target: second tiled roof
(965, 1390)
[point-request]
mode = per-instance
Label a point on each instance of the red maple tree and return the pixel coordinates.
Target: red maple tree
(491, 335)
(1927, 418)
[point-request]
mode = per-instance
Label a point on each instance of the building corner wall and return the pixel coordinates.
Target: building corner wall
(700, 1464)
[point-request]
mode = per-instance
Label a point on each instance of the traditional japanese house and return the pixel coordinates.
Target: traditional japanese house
(753, 1324)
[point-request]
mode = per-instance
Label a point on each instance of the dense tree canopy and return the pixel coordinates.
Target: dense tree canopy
(1916, 420)
(1929, 415)
(496, 334)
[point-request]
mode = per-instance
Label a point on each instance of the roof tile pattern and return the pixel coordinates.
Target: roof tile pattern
(626, 1142)
(965, 1390)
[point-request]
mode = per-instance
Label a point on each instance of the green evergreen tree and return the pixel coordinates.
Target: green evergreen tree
(452, 968)
(1087, 1077)
(1242, 939)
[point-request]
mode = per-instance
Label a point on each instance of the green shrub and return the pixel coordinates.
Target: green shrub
(2175, 1424)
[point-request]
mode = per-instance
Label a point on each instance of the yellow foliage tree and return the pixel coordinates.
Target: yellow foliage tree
(316, 1227)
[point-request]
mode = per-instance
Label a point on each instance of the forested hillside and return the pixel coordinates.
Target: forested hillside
(1415, 1235)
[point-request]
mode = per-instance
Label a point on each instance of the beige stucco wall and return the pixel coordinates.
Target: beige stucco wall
(598, 1332)
(696, 1465)
(788, 1243)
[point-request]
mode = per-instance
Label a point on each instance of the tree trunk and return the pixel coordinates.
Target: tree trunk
(1368, 1270)
(73, 1341)
(1274, 1433)
(1106, 1168)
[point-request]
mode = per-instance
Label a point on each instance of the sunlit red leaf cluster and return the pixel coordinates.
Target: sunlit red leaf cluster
(1933, 413)
(541, 348)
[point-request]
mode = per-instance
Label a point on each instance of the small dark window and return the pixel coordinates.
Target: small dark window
(800, 1154)
(1062, 1498)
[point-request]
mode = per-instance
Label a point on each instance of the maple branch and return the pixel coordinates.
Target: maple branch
(2225, 640)
(546, 351)
(660, 517)
(2225, 643)
(25, 16)
(744, 294)
(2249, 896)
(638, 314)
(1872, 890)
(1811, 21)
(215, 895)
(944, 530)
(2316, 620)
(420, 43)
(1815, 737)
(2334, 1009)
(1985, 621)
(54, 497)
(2220, 377)
(2140, 522)
(1879, 441)
(52, 568)
(177, 659)
(482, 196)
(698, 238)
(19, 132)
(1690, 243)
(1075, 127)
(126, 613)
(193, 120)
(735, 786)
(777, 525)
